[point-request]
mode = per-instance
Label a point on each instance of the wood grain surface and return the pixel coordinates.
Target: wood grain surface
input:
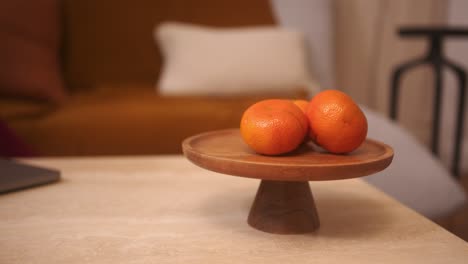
(224, 151)
(284, 207)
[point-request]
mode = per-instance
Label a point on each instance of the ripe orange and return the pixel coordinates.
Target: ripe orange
(273, 126)
(302, 104)
(336, 122)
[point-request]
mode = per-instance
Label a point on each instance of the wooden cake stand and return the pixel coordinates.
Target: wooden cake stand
(284, 203)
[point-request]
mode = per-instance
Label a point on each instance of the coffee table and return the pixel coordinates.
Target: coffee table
(164, 209)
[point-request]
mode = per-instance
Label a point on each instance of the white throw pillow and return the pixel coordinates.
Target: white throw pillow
(416, 178)
(200, 60)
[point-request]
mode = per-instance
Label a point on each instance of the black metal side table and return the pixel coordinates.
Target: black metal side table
(436, 58)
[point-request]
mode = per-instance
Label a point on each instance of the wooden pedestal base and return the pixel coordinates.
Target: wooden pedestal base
(284, 207)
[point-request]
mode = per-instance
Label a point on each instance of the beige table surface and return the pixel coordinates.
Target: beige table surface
(166, 210)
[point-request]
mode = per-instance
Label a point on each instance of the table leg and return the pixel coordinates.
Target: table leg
(284, 207)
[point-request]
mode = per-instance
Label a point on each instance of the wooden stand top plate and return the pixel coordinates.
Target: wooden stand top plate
(225, 152)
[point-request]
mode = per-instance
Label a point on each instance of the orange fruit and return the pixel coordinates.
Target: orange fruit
(273, 126)
(336, 122)
(302, 104)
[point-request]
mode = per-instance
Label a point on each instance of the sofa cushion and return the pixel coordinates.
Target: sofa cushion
(11, 145)
(200, 60)
(110, 41)
(128, 121)
(23, 108)
(29, 47)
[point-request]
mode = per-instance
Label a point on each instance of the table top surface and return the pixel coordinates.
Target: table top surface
(166, 210)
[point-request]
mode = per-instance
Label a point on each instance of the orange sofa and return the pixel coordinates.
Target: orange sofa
(108, 64)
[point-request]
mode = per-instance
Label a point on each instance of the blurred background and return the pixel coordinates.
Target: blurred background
(349, 38)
